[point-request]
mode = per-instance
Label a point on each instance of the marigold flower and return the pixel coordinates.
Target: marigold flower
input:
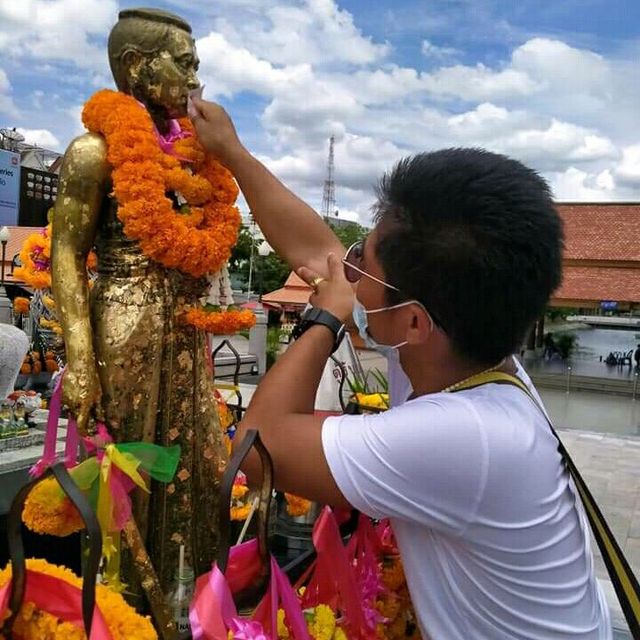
(297, 506)
(21, 305)
(220, 322)
(196, 241)
(123, 622)
(47, 510)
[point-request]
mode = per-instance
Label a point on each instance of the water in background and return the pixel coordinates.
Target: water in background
(593, 343)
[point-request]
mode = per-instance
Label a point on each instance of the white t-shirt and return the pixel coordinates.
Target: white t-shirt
(485, 515)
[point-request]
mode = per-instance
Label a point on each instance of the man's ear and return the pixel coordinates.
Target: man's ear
(131, 62)
(420, 325)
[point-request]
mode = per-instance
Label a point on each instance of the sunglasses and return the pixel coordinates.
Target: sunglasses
(353, 272)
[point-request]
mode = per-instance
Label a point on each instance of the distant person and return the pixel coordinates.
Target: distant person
(636, 357)
(549, 346)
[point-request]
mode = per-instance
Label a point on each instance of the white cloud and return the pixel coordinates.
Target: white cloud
(7, 105)
(57, 30)
(310, 32)
(558, 143)
(574, 185)
(479, 83)
(555, 65)
(40, 137)
(242, 70)
(628, 171)
(435, 52)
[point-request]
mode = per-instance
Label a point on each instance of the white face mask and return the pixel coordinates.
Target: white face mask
(390, 351)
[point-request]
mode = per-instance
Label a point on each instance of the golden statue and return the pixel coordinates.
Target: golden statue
(130, 361)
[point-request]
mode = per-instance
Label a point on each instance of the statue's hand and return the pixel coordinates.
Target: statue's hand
(82, 394)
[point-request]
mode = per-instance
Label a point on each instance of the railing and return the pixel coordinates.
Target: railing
(237, 408)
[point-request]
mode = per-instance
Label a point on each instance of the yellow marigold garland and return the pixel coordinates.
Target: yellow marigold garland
(321, 624)
(47, 510)
(198, 240)
(32, 624)
(220, 322)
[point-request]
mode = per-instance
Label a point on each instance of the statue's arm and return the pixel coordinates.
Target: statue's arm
(81, 189)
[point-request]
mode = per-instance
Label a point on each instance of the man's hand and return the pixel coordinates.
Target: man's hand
(82, 394)
(334, 294)
(215, 130)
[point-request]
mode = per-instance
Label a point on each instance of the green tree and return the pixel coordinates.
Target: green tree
(349, 233)
(269, 272)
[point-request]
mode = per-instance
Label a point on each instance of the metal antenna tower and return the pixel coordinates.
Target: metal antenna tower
(329, 209)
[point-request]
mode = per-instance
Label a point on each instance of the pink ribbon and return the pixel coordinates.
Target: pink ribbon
(365, 549)
(51, 436)
(60, 599)
(333, 581)
(213, 613)
(247, 630)
(167, 140)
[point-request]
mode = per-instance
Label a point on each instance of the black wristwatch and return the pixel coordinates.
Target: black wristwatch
(320, 316)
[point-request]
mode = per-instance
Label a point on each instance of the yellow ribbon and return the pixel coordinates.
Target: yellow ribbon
(128, 464)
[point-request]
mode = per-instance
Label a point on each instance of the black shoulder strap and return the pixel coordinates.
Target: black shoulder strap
(624, 581)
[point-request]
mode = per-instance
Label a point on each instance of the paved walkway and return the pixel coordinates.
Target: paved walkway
(611, 467)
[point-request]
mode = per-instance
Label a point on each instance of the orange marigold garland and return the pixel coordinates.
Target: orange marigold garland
(198, 239)
(123, 622)
(219, 322)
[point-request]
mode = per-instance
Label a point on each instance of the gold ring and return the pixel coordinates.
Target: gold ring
(316, 281)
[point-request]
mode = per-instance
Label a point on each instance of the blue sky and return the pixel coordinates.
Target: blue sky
(555, 84)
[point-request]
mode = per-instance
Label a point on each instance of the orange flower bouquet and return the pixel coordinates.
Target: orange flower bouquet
(21, 306)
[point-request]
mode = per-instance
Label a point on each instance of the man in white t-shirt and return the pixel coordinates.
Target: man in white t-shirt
(464, 256)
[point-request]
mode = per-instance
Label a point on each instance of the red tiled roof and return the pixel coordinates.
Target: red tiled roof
(601, 231)
(295, 292)
(595, 284)
(296, 282)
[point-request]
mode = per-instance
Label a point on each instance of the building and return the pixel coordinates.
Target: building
(37, 178)
(601, 257)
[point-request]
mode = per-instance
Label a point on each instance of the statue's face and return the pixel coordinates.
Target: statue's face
(165, 79)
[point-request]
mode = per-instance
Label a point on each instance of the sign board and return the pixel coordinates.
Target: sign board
(9, 187)
(39, 190)
(608, 305)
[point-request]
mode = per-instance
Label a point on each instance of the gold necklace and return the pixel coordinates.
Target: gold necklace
(457, 385)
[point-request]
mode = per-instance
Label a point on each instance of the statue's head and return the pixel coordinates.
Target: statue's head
(153, 58)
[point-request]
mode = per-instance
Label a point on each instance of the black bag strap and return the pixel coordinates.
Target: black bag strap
(250, 440)
(16, 546)
(622, 577)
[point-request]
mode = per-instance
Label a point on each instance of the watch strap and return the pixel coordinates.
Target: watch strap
(314, 316)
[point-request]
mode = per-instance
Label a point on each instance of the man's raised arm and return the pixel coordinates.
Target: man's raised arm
(293, 229)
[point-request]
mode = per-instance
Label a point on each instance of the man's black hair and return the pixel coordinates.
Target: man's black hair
(476, 238)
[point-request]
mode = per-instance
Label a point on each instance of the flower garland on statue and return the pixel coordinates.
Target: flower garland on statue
(196, 239)
(220, 322)
(35, 623)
